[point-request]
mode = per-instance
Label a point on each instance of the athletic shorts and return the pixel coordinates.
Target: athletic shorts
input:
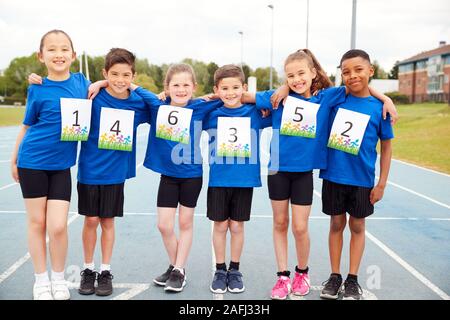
(53, 184)
(338, 199)
(103, 201)
(225, 203)
(178, 190)
(297, 186)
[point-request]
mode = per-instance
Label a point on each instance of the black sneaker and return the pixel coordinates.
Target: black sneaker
(176, 281)
(161, 280)
(332, 287)
(352, 290)
(104, 284)
(87, 283)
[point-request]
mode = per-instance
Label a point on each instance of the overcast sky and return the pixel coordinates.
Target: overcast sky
(166, 31)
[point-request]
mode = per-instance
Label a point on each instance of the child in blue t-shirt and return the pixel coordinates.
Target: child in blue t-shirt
(106, 160)
(348, 180)
(234, 132)
(41, 163)
(173, 150)
(300, 132)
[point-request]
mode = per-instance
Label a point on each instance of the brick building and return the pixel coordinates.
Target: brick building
(426, 76)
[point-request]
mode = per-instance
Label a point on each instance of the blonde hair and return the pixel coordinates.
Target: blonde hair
(179, 68)
(321, 81)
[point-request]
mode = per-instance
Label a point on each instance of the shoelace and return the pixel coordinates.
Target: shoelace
(281, 283)
(332, 283)
(102, 278)
(221, 276)
(235, 277)
(298, 280)
(88, 276)
(353, 287)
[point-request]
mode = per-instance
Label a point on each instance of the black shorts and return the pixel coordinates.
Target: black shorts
(178, 190)
(340, 198)
(297, 186)
(103, 201)
(53, 184)
(229, 203)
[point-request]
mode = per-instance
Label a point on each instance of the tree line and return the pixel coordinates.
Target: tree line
(14, 83)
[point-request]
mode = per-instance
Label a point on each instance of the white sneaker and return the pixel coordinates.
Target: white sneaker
(60, 290)
(42, 292)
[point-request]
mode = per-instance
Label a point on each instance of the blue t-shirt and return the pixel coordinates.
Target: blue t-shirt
(173, 158)
(229, 171)
(101, 166)
(41, 147)
(300, 154)
(359, 170)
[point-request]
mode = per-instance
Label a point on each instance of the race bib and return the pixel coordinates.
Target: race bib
(299, 118)
(348, 131)
(233, 137)
(75, 119)
(116, 129)
(173, 123)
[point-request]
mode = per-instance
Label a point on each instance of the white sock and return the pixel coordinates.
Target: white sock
(90, 266)
(57, 276)
(179, 269)
(105, 267)
(42, 279)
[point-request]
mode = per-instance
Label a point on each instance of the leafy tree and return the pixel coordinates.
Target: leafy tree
(393, 74)
(263, 78)
(378, 73)
(146, 82)
(209, 85)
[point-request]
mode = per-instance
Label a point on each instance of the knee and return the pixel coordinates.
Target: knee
(107, 224)
(337, 226)
(91, 222)
(186, 224)
(300, 230)
(236, 227)
(57, 231)
(281, 225)
(221, 226)
(357, 226)
(165, 229)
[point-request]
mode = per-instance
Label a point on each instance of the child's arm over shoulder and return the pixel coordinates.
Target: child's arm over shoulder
(388, 105)
(149, 97)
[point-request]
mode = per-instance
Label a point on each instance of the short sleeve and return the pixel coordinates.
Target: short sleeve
(32, 108)
(386, 132)
(262, 99)
(331, 97)
(203, 108)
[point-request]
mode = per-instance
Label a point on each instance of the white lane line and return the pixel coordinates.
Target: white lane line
(8, 185)
(419, 167)
(408, 267)
(419, 194)
(5, 161)
(16, 265)
(259, 216)
(404, 264)
(134, 289)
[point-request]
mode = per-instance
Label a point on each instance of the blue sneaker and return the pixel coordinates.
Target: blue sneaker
(235, 283)
(219, 284)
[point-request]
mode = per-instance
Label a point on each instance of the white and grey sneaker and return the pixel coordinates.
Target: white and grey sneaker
(176, 281)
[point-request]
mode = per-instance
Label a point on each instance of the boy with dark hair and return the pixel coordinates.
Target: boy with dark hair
(348, 181)
(234, 133)
(106, 160)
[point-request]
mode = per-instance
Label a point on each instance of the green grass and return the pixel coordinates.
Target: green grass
(11, 116)
(422, 135)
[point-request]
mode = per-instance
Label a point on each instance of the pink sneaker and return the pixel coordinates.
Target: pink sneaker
(300, 284)
(281, 289)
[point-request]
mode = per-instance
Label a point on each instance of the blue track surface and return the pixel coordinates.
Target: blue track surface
(407, 253)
